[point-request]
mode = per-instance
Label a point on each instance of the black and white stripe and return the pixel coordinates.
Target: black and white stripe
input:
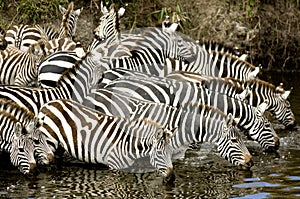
(177, 93)
(14, 140)
(93, 137)
(69, 21)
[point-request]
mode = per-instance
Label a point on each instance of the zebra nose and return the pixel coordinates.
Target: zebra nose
(51, 157)
(170, 175)
(248, 163)
(32, 166)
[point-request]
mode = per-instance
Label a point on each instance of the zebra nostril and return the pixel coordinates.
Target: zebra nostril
(32, 166)
(51, 158)
(291, 126)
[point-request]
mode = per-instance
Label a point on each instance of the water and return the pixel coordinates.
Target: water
(202, 174)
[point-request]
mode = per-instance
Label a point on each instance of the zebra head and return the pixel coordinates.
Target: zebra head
(22, 150)
(262, 131)
(162, 152)
(42, 151)
(231, 146)
(69, 21)
(281, 108)
(109, 22)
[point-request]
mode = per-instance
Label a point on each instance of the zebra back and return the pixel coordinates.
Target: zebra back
(51, 69)
(93, 137)
(48, 30)
(69, 21)
(213, 46)
(253, 91)
(14, 140)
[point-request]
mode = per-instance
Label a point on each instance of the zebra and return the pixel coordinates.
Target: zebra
(112, 103)
(23, 35)
(66, 122)
(14, 140)
(69, 21)
(74, 84)
(150, 47)
(261, 91)
(29, 121)
(176, 93)
(18, 67)
(108, 27)
(94, 137)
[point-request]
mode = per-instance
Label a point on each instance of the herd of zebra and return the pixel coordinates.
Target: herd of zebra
(136, 97)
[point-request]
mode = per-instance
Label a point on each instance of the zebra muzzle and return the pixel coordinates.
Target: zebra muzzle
(170, 175)
(248, 162)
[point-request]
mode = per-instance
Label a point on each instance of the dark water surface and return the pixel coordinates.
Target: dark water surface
(202, 174)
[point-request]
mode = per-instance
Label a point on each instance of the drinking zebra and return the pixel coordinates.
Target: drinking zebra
(176, 93)
(41, 149)
(14, 140)
(261, 91)
(67, 122)
(93, 137)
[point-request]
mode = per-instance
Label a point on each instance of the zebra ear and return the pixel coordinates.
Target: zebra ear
(62, 9)
(121, 12)
(229, 120)
(262, 108)
(286, 94)
(18, 130)
(243, 95)
(78, 11)
(103, 8)
(253, 74)
(33, 124)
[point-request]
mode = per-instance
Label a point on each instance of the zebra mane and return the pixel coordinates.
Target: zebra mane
(234, 57)
(211, 45)
(66, 18)
(256, 81)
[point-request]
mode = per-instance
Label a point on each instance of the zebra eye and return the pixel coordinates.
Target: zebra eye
(36, 141)
(233, 140)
